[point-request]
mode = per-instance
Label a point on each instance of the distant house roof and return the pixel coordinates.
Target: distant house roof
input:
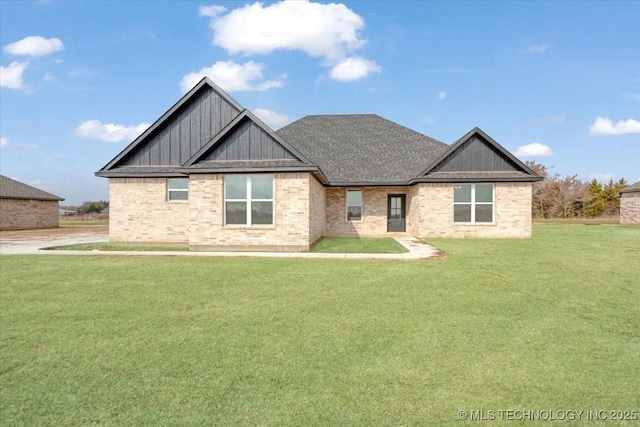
(634, 188)
(355, 149)
(12, 189)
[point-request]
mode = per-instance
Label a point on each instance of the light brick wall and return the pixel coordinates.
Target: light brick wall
(374, 210)
(630, 208)
(139, 212)
(317, 211)
(292, 217)
(431, 213)
(18, 214)
(304, 212)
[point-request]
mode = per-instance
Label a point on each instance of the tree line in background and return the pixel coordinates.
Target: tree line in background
(564, 196)
(88, 207)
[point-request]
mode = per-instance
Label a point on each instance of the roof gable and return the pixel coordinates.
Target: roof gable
(477, 155)
(183, 130)
(246, 138)
(12, 189)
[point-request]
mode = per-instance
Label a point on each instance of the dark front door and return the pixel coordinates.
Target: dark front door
(396, 213)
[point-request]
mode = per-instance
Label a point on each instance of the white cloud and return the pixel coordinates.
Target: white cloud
(271, 118)
(47, 77)
(325, 30)
(211, 11)
(352, 69)
(94, 129)
(605, 126)
(34, 46)
(540, 48)
(232, 77)
(634, 96)
(535, 149)
(329, 31)
(11, 76)
(4, 142)
(428, 120)
(442, 96)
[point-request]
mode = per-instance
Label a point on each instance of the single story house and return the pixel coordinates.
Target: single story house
(630, 204)
(23, 207)
(210, 173)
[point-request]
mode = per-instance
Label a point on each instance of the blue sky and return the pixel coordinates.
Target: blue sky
(555, 82)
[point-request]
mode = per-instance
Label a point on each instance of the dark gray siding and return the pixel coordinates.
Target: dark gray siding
(249, 142)
(476, 155)
(186, 132)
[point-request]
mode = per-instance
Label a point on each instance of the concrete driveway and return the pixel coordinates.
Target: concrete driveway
(30, 241)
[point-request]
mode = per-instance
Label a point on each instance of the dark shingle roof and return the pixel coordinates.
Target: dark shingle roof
(356, 149)
(12, 189)
(634, 188)
(478, 176)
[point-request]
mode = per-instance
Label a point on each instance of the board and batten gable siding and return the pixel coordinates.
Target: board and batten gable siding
(195, 124)
(249, 142)
(476, 155)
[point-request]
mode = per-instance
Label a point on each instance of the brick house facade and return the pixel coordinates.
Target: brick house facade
(23, 207)
(630, 204)
(211, 174)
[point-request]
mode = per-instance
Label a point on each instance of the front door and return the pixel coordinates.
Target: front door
(396, 213)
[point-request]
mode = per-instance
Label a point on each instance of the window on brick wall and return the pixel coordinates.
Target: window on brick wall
(473, 203)
(178, 189)
(354, 205)
(248, 199)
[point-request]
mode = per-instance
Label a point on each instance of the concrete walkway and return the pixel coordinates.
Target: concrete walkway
(417, 249)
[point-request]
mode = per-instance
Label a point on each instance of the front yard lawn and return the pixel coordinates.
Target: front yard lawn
(355, 245)
(551, 323)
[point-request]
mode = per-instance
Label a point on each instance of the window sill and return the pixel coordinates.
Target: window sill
(474, 223)
(249, 227)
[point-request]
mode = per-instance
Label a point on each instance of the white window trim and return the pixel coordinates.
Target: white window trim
(346, 208)
(473, 203)
(177, 190)
(248, 201)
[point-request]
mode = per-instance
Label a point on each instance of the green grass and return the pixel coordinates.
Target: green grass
(327, 245)
(367, 245)
(88, 223)
(549, 323)
(120, 247)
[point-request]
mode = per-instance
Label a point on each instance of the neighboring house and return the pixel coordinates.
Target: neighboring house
(24, 207)
(630, 204)
(67, 212)
(210, 173)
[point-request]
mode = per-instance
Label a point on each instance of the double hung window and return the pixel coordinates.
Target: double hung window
(354, 205)
(248, 199)
(473, 203)
(177, 189)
